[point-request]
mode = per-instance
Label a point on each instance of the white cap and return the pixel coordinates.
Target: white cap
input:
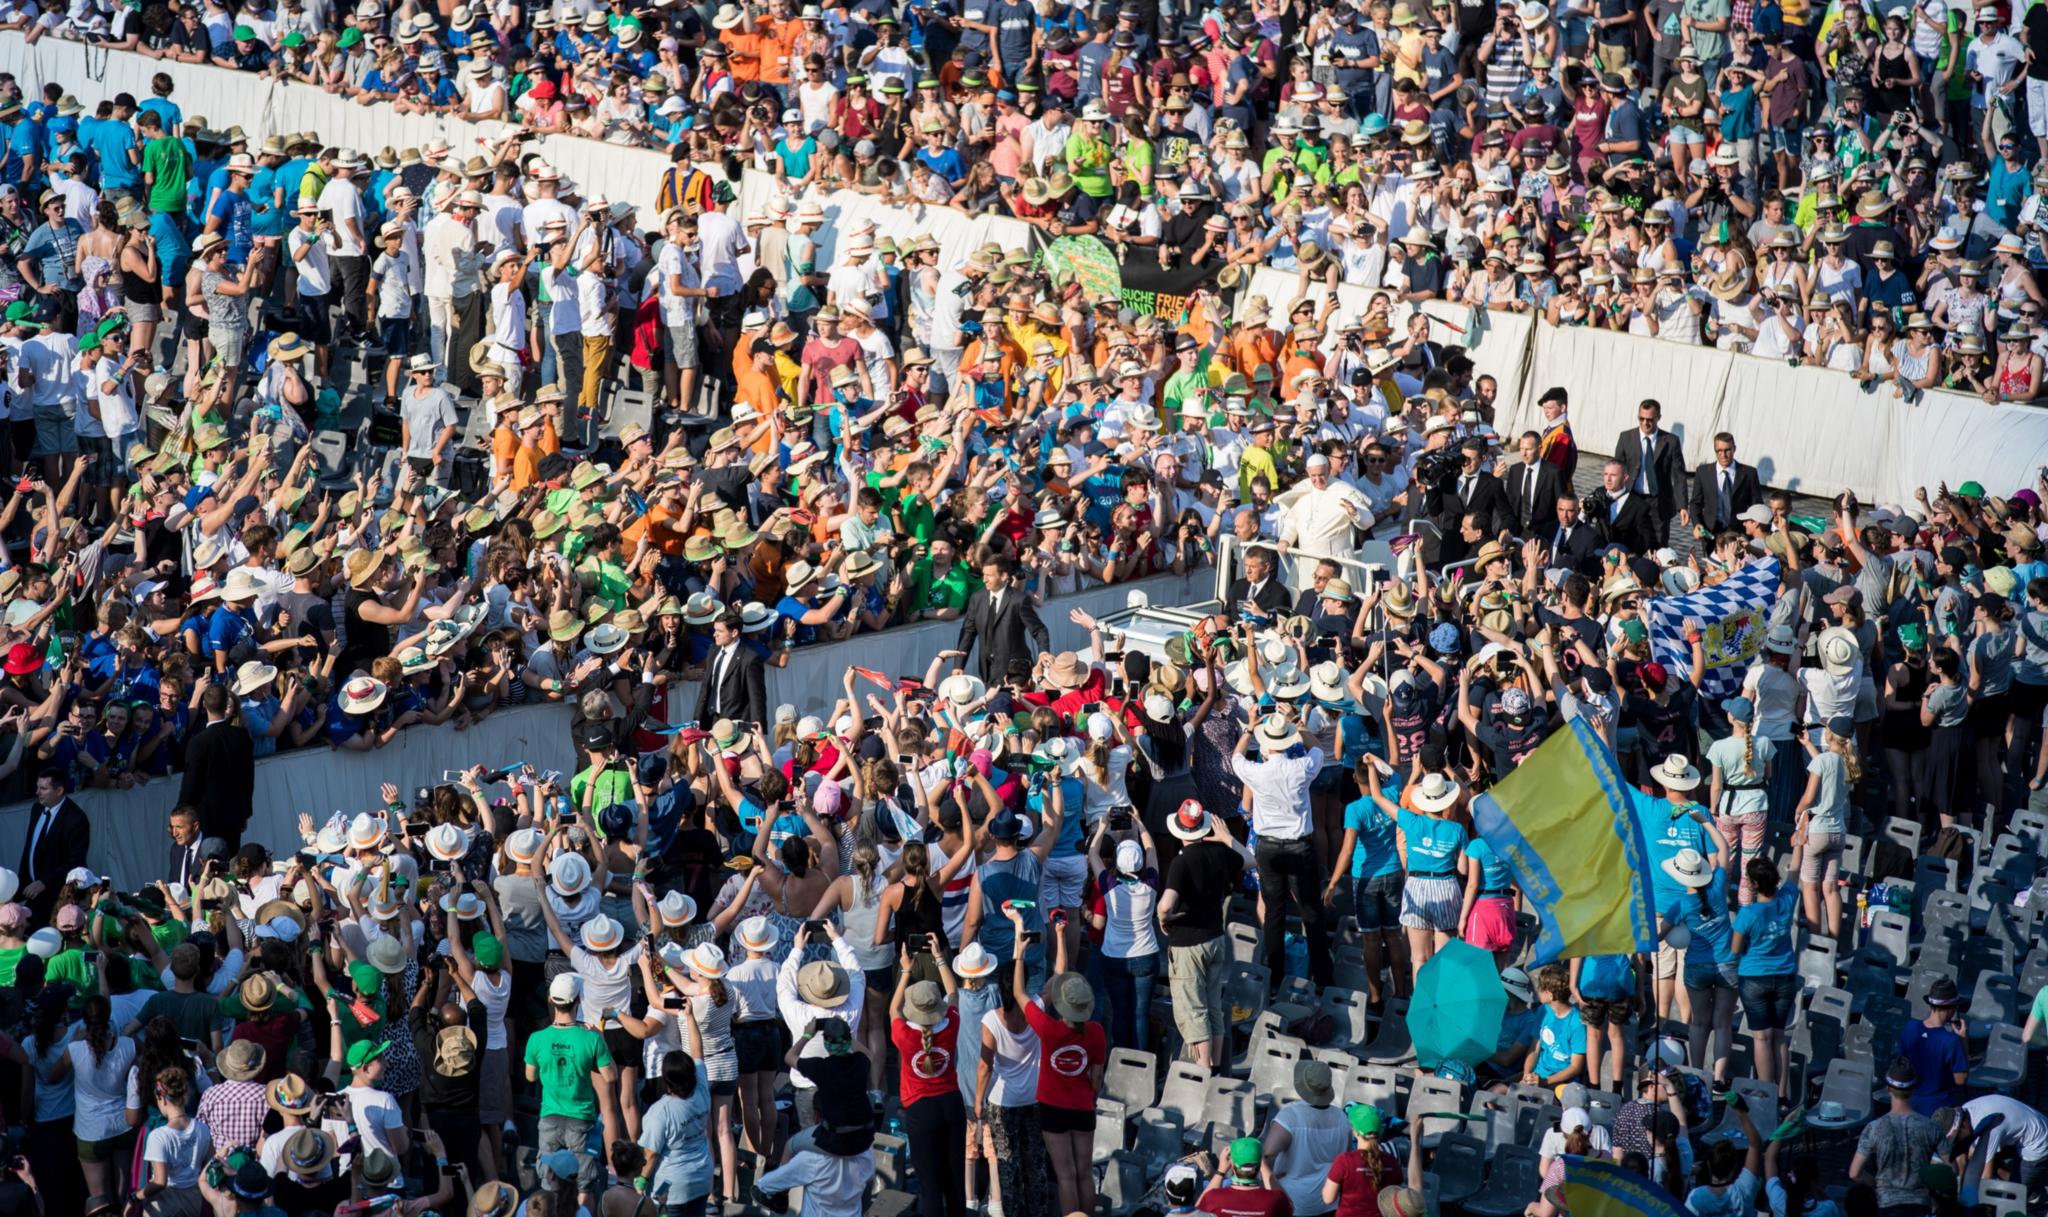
(81, 876)
(1130, 857)
(566, 988)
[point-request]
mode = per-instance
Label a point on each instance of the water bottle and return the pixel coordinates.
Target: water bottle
(1297, 955)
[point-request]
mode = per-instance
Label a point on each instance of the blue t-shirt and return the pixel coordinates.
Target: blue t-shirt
(1494, 878)
(793, 609)
(1375, 854)
(1559, 1038)
(1015, 878)
(238, 223)
(1433, 844)
(167, 110)
(1938, 1055)
(1665, 833)
(1766, 928)
(1068, 843)
(674, 1129)
(1519, 1030)
(1607, 977)
(1705, 913)
(224, 628)
(946, 163)
(110, 144)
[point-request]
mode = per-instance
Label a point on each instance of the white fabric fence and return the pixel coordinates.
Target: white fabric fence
(129, 840)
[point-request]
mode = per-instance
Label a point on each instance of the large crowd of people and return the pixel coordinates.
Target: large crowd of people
(306, 449)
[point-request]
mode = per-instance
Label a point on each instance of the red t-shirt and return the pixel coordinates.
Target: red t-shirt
(927, 1071)
(1065, 1058)
(1358, 1193)
(1246, 1202)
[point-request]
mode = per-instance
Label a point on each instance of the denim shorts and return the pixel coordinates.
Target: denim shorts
(1715, 976)
(1769, 1001)
(1376, 902)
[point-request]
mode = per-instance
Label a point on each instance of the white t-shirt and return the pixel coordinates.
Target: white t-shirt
(2023, 1125)
(561, 294)
(605, 987)
(508, 317)
(376, 1114)
(496, 998)
(676, 311)
(394, 296)
(1016, 1063)
(594, 306)
(501, 217)
(537, 213)
(343, 203)
(720, 243)
(183, 1150)
(316, 277)
(117, 409)
(99, 1092)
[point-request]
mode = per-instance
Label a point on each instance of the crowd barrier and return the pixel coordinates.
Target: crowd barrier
(264, 106)
(129, 838)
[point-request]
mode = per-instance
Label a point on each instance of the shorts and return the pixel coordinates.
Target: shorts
(1492, 924)
(881, 980)
(228, 343)
(1821, 862)
(56, 431)
(143, 310)
(1711, 977)
(394, 334)
(1376, 903)
(191, 326)
(1604, 1012)
(1431, 904)
(682, 346)
(1064, 1119)
(1781, 139)
(1686, 135)
(624, 1046)
(758, 1045)
(104, 469)
(1769, 1001)
(113, 1149)
(2027, 701)
(494, 1087)
(311, 320)
(1061, 880)
(422, 467)
(1665, 963)
(2037, 108)
(1194, 979)
(563, 1132)
(725, 1089)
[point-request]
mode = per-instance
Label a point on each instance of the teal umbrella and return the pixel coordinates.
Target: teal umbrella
(1456, 1012)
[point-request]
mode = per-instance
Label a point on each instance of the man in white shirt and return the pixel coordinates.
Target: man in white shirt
(454, 290)
(545, 206)
(1777, 334)
(1279, 786)
(719, 246)
(110, 421)
(681, 287)
(347, 245)
(502, 227)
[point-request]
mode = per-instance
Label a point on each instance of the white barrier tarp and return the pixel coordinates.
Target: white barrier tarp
(1610, 374)
(1809, 430)
(129, 838)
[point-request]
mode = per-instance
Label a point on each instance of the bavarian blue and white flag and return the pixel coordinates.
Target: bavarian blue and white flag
(1733, 616)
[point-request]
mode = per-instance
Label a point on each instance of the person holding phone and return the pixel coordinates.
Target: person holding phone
(1124, 873)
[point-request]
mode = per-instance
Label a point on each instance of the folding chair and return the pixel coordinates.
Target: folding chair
(1186, 1090)
(1131, 1077)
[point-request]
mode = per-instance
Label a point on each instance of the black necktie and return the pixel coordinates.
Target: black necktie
(1727, 492)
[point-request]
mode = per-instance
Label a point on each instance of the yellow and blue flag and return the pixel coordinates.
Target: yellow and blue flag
(1563, 823)
(1595, 1188)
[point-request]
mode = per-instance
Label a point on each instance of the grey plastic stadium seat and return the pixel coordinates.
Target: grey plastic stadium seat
(1510, 1185)
(1352, 1013)
(1905, 832)
(1272, 1073)
(1186, 1090)
(1244, 991)
(2004, 1065)
(1125, 1181)
(2002, 1197)
(1378, 1085)
(1433, 1094)
(1230, 1103)
(1847, 1083)
(1264, 1027)
(1817, 963)
(1243, 940)
(1391, 1045)
(1131, 1077)
(1460, 1167)
(1109, 1128)
(1156, 1137)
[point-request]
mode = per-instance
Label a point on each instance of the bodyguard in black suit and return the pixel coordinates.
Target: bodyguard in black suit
(1622, 516)
(59, 837)
(1531, 488)
(1723, 488)
(1654, 463)
(1569, 542)
(1002, 618)
(735, 681)
(220, 771)
(1260, 584)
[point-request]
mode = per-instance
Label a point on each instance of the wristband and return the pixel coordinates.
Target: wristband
(441, 1162)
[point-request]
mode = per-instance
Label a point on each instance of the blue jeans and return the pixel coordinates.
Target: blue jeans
(1130, 982)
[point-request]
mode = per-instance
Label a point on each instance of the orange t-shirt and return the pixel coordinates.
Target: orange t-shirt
(525, 468)
(750, 55)
(505, 442)
(655, 527)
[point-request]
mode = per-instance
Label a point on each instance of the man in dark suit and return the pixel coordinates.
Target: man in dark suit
(59, 838)
(735, 682)
(1655, 465)
(220, 771)
(1474, 492)
(1260, 584)
(1622, 516)
(1531, 487)
(1721, 489)
(1001, 617)
(1569, 542)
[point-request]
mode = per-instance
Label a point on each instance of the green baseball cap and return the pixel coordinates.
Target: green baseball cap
(1244, 1152)
(362, 1052)
(90, 342)
(21, 312)
(365, 978)
(1971, 490)
(293, 39)
(489, 952)
(1364, 1117)
(350, 37)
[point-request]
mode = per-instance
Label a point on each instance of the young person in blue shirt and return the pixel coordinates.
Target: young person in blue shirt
(1370, 861)
(1671, 825)
(1559, 1054)
(1604, 988)
(1766, 970)
(1710, 979)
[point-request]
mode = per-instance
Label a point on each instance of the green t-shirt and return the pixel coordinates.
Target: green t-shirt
(947, 591)
(614, 786)
(197, 1015)
(171, 166)
(70, 968)
(1088, 160)
(10, 959)
(564, 1058)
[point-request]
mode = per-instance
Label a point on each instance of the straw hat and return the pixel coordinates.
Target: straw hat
(1676, 773)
